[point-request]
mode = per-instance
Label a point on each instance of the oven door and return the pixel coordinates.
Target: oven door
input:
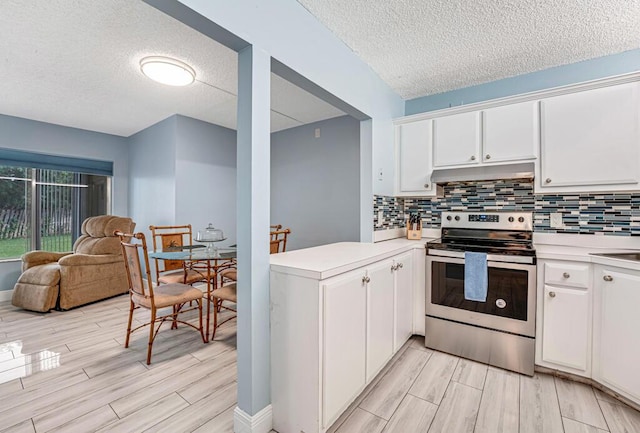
(511, 295)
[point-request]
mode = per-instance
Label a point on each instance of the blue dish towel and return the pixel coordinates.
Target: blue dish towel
(475, 276)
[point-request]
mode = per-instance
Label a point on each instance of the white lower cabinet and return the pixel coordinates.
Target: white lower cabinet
(331, 337)
(616, 357)
(379, 319)
(566, 327)
(564, 317)
(404, 289)
(345, 305)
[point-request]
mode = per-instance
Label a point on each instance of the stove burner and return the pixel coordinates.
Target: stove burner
(495, 233)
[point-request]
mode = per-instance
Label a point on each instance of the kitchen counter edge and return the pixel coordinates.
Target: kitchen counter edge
(326, 261)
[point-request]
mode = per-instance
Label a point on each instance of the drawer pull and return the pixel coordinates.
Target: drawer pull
(566, 275)
(552, 294)
(548, 180)
(607, 278)
(426, 185)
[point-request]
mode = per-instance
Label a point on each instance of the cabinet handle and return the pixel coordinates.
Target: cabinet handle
(365, 279)
(394, 267)
(566, 275)
(488, 157)
(426, 185)
(552, 294)
(473, 157)
(399, 265)
(607, 278)
(548, 180)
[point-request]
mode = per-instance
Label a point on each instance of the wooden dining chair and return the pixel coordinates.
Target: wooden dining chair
(218, 297)
(275, 227)
(277, 244)
(166, 238)
(278, 241)
(143, 294)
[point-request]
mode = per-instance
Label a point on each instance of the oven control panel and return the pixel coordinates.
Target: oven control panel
(489, 220)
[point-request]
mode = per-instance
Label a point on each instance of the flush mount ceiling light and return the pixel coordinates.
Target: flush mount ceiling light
(167, 71)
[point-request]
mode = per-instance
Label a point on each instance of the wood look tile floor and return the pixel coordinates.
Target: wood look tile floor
(69, 372)
(422, 390)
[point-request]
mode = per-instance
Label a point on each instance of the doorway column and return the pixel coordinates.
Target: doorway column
(253, 413)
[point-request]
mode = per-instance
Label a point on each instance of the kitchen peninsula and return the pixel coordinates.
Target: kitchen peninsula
(338, 314)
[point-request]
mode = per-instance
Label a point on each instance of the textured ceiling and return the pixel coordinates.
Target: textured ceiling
(75, 63)
(422, 47)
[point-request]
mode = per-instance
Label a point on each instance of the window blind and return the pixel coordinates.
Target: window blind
(20, 158)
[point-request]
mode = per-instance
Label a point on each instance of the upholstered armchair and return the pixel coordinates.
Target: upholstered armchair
(94, 270)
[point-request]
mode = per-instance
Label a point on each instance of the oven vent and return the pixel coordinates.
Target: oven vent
(485, 172)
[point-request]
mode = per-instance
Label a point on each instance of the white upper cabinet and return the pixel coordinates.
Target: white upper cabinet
(590, 140)
(511, 132)
(495, 135)
(456, 139)
(413, 156)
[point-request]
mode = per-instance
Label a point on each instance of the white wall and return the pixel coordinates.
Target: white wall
(315, 182)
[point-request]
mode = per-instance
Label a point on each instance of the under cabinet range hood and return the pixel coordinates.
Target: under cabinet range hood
(485, 172)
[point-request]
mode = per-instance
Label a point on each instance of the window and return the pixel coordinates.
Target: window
(44, 209)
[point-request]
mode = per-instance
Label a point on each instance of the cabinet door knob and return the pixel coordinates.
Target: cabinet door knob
(488, 157)
(547, 180)
(399, 265)
(607, 278)
(426, 185)
(566, 275)
(473, 157)
(394, 267)
(552, 294)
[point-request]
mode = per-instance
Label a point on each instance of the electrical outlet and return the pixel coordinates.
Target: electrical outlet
(380, 174)
(317, 133)
(556, 221)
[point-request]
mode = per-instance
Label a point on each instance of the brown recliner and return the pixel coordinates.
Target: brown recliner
(93, 271)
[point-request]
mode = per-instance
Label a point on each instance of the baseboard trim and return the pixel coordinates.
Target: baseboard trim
(588, 381)
(262, 422)
(6, 295)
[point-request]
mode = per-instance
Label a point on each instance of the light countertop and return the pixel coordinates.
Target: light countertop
(329, 260)
(584, 248)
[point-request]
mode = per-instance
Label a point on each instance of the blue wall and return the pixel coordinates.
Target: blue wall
(183, 171)
(31, 135)
(315, 182)
(607, 66)
(206, 176)
(152, 192)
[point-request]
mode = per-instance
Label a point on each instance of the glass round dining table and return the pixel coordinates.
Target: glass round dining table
(205, 261)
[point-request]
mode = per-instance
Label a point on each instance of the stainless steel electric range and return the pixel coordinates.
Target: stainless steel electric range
(500, 331)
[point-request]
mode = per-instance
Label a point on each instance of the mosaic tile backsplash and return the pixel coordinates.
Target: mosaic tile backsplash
(609, 214)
